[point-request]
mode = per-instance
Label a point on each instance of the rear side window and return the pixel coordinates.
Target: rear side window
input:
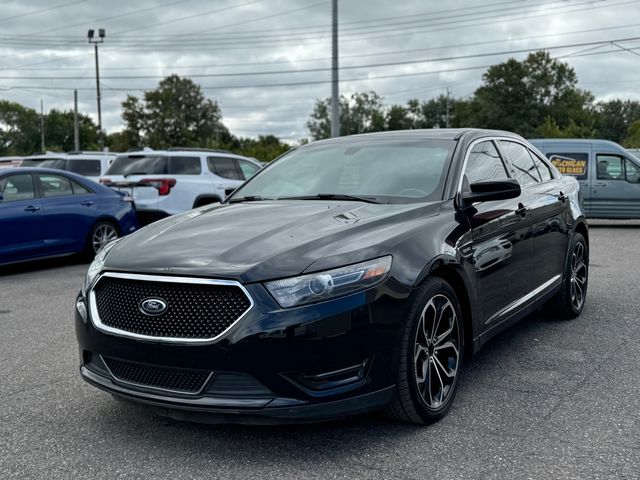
(79, 189)
(16, 187)
(87, 168)
(185, 166)
(574, 164)
(484, 163)
(138, 165)
(224, 167)
(543, 168)
(522, 166)
(55, 186)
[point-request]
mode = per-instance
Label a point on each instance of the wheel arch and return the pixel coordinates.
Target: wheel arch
(449, 270)
(582, 229)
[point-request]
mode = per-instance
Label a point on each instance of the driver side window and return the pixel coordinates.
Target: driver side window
(484, 163)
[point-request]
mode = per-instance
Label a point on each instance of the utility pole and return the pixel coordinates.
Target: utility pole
(101, 35)
(42, 126)
(448, 116)
(335, 99)
(76, 128)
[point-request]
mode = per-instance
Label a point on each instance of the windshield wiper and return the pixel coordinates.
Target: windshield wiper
(335, 196)
(248, 198)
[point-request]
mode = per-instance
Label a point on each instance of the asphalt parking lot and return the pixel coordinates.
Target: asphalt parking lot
(545, 399)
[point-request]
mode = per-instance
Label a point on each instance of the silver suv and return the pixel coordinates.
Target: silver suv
(166, 182)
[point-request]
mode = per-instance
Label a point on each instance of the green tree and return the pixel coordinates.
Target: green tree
(633, 136)
(431, 113)
(614, 118)
(19, 129)
(519, 96)
(174, 114)
(360, 113)
(265, 148)
(59, 136)
(551, 129)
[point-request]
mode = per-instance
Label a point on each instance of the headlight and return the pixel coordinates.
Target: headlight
(96, 266)
(331, 283)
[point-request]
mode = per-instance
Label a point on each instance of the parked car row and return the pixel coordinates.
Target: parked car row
(88, 164)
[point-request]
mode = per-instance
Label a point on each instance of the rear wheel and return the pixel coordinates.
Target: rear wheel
(569, 301)
(431, 355)
(102, 233)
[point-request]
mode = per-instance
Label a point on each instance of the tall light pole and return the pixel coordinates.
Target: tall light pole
(335, 101)
(96, 41)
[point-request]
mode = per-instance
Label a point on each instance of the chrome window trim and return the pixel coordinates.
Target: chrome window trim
(150, 387)
(491, 139)
(97, 323)
(522, 300)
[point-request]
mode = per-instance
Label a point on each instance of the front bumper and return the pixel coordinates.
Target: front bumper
(303, 357)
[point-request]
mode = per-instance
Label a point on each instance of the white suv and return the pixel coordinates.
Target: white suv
(166, 182)
(88, 164)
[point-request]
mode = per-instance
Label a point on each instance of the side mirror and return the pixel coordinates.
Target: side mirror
(492, 190)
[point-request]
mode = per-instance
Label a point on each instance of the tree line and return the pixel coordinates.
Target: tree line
(536, 97)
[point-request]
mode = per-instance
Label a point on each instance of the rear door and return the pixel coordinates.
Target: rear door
(228, 172)
(21, 234)
(502, 241)
(574, 161)
(616, 187)
(68, 212)
(550, 208)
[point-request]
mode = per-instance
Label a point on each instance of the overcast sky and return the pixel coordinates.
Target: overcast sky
(404, 49)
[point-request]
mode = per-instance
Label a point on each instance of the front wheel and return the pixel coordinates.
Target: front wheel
(431, 355)
(569, 301)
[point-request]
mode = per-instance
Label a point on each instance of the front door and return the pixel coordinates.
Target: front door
(615, 190)
(502, 241)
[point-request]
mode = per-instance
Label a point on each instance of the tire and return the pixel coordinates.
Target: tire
(569, 301)
(101, 233)
(425, 397)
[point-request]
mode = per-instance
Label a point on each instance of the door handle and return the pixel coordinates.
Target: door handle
(31, 208)
(87, 203)
(522, 210)
(599, 184)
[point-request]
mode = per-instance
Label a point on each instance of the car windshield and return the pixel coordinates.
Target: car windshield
(392, 171)
(57, 163)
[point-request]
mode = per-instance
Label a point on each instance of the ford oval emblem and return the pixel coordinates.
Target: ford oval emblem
(153, 306)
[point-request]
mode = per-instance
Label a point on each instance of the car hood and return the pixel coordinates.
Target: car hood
(256, 241)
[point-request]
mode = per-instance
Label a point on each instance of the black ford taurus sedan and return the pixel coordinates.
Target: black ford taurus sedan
(350, 275)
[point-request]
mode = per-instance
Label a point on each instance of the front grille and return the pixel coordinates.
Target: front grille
(165, 378)
(194, 310)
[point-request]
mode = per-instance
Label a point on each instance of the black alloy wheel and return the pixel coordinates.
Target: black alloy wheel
(431, 355)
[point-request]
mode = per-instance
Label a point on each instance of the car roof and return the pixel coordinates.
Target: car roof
(42, 170)
(189, 152)
(433, 133)
(586, 141)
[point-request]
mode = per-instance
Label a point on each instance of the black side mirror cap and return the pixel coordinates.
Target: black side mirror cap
(492, 190)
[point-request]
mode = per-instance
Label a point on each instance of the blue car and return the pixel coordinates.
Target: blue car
(46, 213)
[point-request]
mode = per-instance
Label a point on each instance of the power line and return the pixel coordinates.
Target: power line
(360, 55)
(350, 67)
(41, 10)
